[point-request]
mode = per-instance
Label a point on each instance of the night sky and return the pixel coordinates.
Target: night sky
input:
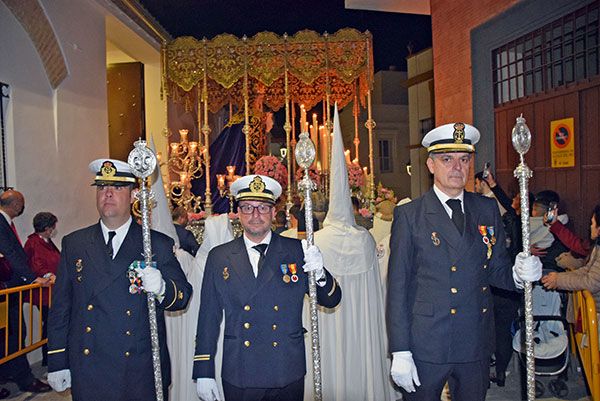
(392, 33)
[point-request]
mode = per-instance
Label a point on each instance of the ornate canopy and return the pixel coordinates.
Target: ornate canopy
(339, 65)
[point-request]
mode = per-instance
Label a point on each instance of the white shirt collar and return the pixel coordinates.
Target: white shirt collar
(121, 232)
(443, 198)
(250, 244)
(253, 254)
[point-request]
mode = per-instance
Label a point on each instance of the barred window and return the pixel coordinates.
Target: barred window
(563, 51)
(385, 156)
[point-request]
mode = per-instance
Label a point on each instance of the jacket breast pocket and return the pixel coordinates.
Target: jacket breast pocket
(423, 308)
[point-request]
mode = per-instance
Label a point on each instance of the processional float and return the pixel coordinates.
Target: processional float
(276, 71)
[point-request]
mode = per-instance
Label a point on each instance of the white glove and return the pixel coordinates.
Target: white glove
(207, 389)
(313, 260)
(404, 371)
(60, 380)
(152, 280)
(526, 268)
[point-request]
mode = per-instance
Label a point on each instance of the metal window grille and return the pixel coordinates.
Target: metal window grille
(385, 156)
(563, 51)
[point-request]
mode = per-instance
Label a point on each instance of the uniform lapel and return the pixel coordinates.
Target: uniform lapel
(116, 268)
(243, 276)
(440, 222)
(272, 259)
(471, 229)
(96, 264)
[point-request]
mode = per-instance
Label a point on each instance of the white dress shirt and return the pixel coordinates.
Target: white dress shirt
(443, 198)
(119, 237)
(253, 254)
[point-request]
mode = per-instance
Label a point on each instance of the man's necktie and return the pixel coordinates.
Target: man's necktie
(109, 244)
(458, 217)
(261, 248)
(12, 226)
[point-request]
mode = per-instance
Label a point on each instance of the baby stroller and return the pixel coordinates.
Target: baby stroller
(551, 342)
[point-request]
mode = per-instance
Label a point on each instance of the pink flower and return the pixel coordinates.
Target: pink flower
(356, 176)
(272, 167)
(366, 213)
(197, 216)
(312, 173)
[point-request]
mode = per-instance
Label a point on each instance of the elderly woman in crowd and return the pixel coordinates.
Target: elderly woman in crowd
(43, 257)
(586, 277)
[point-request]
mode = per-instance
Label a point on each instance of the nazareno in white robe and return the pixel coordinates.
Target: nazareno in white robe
(354, 362)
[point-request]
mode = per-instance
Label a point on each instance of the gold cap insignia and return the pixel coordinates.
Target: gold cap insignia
(459, 133)
(257, 185)
(108, 169)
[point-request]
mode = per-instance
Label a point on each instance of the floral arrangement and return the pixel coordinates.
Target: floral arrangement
(197, 216)
(312, 173)
(384, 193)
(272, 167)
(202, 215)
(356, 176)
(366, 213)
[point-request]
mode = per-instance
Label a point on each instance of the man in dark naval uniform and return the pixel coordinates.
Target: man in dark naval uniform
(259, 282)
(447, 248)
(99, 332)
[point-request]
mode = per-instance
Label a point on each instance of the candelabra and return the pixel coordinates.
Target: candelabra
(224, 183)
(185, 160)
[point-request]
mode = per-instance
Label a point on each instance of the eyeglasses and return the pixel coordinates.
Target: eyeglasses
(249, 209)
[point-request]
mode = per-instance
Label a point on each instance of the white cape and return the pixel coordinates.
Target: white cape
(382, 232)
(354, 366)
(182, 325)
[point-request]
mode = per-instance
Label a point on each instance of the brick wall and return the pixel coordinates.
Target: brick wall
(451, 23)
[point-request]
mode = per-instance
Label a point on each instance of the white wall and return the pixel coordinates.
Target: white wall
(53, 134)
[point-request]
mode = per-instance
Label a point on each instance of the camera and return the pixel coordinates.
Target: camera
(486, 170)
(551, 213)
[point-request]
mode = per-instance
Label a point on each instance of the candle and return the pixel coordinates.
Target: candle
(347, 156)
(193, 147)
(174, 146)
(302, 118)
(230, 171)
(221, 181)
(324, 148)
(183, 133)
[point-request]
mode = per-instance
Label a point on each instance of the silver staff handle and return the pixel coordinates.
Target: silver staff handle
(142, 161)
(521, 140)
(305, 155)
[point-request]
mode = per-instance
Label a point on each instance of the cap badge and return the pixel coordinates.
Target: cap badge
(459, 133)
(108, 169)
(257, 185)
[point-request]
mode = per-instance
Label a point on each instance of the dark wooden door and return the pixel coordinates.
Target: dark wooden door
(126, 121)
(578, 185)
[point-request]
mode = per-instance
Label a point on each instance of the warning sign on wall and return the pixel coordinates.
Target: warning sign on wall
(562, 143)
